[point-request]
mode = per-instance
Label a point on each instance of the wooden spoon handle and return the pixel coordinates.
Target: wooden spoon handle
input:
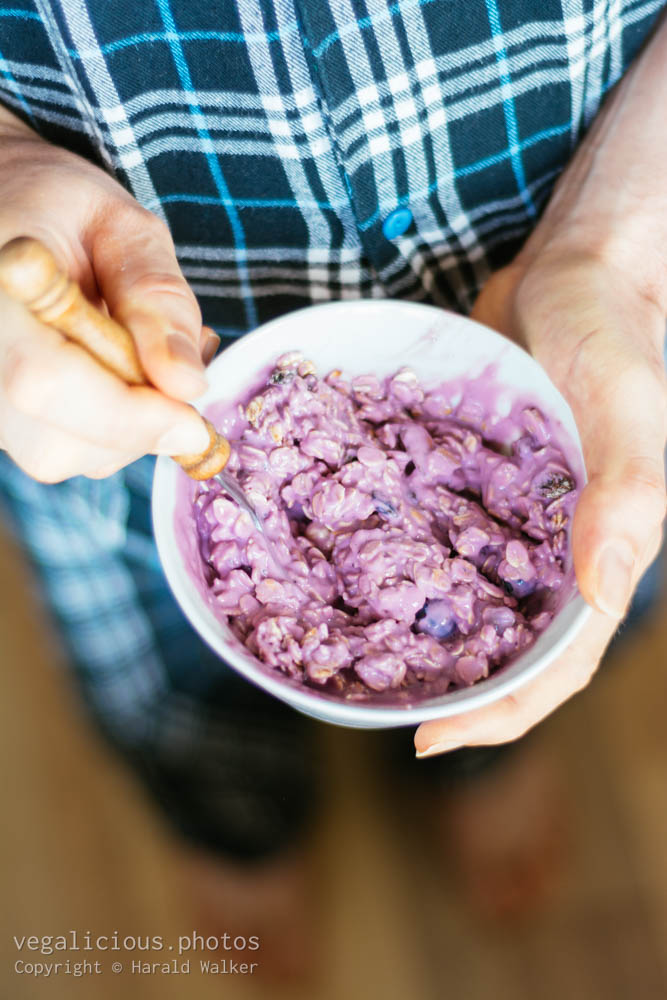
(30, 274)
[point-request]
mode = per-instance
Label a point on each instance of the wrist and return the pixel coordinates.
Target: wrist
(632, 252)
(585, 251)
(569, 298)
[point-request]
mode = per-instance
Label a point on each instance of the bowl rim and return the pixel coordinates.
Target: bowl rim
(351, 714)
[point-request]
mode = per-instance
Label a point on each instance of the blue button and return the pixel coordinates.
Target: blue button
(397, 223)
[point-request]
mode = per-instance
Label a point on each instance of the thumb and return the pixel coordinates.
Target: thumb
(494, 304)
(617, 524)
(140, 280)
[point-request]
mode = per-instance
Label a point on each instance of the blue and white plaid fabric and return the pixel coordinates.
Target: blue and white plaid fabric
(278, 138)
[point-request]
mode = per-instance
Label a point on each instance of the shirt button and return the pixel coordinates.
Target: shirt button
(397, 223)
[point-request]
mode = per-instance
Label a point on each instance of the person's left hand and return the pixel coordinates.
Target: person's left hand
(599, 335)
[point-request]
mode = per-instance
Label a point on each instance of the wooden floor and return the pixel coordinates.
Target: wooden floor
(81, 849)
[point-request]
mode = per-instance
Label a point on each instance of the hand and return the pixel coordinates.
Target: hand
(587, 296)
(61, 413)
(599, 336)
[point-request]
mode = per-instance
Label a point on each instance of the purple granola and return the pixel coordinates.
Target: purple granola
(409, 548)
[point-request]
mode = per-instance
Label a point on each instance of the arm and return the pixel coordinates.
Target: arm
(587, 296)
(61, 414)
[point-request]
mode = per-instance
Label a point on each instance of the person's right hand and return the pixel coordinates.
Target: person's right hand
(61, 413)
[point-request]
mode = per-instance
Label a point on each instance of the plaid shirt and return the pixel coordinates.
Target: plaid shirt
(277, 137)
(300, 150)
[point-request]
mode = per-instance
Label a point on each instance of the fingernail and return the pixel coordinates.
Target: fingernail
(210, 347)
(615, 569)
(183, 351)
(436, 748)
(184, 439)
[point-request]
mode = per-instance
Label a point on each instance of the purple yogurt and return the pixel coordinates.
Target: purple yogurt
(419, 539)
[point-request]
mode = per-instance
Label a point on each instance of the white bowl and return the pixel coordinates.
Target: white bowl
(364, 337)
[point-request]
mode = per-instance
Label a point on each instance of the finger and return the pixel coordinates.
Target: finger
(140, 280)
(59, 385)
(113, 463)
(514, 715)
(494, 304)
(49, 455)
(209, 342)
(619, 515)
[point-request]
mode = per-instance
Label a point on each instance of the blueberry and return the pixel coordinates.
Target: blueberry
(519, 588)
(436, 619)
(384, 507)
(555, 485)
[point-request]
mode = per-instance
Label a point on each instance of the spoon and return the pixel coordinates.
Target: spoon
(30, 274)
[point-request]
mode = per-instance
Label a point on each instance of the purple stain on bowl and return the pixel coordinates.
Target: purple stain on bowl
(419, 550)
